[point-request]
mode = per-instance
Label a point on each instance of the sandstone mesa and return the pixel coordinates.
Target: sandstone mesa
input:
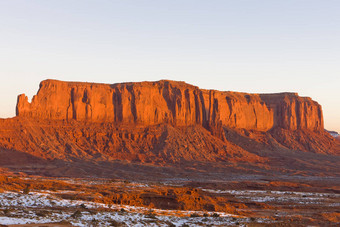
(70, 127)
(176, 103)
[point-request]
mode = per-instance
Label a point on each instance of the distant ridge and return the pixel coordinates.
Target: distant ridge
(333, 133)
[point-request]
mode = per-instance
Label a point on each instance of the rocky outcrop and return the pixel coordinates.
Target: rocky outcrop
(176, 103)
(293, 112)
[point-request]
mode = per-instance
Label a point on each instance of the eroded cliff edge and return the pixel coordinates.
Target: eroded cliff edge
(176, 103)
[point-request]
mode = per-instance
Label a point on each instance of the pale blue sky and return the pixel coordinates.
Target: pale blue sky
(257, 46)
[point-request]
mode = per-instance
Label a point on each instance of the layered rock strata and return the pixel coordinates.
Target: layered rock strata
(176, 103)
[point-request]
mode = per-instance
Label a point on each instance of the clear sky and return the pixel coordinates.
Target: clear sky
(240, 45)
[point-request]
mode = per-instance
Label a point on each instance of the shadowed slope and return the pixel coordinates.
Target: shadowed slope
(76, 149)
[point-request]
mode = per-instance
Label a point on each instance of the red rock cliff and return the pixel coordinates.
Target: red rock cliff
(171, 102)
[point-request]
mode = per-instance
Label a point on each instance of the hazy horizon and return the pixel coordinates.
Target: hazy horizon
(244, 46)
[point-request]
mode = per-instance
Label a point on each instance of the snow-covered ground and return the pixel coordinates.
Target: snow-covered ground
(48, 207)
(45, 207)
(331, 199)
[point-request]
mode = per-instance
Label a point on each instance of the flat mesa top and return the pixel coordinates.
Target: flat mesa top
(153, 83)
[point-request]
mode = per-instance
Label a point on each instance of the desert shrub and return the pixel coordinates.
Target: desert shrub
(64, 222)
(252, 219)
(194, 215)
(94, 222)
(150, 214)
(76, 214)
(42, 213)
(170, 224)
(26, 190)
(7, 211)
(93, 212)
(117, 223)
(215, 215)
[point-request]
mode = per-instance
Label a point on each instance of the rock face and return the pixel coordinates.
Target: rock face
(77, 129)
(176, 103)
